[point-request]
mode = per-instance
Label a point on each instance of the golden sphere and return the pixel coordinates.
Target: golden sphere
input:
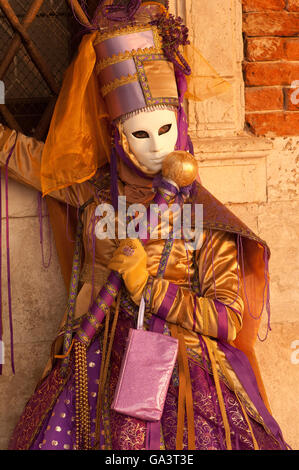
(180, 167)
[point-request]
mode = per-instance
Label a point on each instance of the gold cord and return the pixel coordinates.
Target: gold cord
(82, 404)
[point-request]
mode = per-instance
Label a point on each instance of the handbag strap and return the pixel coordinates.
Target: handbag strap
(140, 318)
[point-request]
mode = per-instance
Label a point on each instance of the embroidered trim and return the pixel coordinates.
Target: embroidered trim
(83, 337)
(117, 83)
(233, 229)
(127, 304)
(147, 295)
(139, 60)
(101, 37)
(111, 289)
(126, 116)
(102, 305)
(92, 319)
(116, 58)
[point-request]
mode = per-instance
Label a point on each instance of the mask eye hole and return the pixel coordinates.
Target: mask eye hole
(164, 129)
(140, 135)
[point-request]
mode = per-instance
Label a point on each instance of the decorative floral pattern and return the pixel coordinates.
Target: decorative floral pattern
(47, 421)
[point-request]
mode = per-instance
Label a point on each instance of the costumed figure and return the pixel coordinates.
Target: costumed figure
(119, 129)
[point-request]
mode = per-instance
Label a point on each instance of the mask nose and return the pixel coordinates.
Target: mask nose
(155, 143)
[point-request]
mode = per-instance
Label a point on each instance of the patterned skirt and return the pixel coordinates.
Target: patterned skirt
(48, 421)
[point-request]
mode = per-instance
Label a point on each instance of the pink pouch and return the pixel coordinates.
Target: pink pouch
(145, 373)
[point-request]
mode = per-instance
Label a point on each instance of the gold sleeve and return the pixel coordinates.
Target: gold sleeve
(218, 310)
(24, 166)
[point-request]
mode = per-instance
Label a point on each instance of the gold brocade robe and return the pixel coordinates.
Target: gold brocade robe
(215, 263)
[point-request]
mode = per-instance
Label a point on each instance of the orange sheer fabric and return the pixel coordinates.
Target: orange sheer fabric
(78, 142)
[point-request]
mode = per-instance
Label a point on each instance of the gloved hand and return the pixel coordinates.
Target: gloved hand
(129, 260)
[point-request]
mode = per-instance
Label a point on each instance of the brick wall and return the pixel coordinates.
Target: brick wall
(271, 66)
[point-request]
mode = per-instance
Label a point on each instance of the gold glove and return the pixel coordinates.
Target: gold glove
(129, 260)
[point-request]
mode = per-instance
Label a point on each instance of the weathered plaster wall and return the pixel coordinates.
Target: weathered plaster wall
(38, 303)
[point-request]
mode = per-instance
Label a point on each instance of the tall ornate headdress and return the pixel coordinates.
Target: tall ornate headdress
(132, 59)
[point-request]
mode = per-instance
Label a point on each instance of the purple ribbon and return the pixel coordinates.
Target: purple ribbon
(96, 311)
(241, 365)
(153, 435)
(8, 262)
(158, 320)
(160, 182)
(222, 320)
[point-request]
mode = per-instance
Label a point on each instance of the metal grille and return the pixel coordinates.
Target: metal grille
(37, 41)
(38, 61)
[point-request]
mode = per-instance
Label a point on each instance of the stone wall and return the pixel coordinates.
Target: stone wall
(38, 303)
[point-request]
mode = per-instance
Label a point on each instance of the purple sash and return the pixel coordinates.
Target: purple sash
(241, 365)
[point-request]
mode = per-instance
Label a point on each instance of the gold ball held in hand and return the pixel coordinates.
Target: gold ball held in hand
(180, 167)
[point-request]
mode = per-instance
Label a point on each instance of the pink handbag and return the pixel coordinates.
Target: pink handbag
(145, 372)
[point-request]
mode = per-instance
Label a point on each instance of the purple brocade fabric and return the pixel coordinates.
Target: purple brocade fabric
(120, 432)
(209, 429)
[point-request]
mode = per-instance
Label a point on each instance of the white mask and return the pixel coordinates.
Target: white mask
(152, 135)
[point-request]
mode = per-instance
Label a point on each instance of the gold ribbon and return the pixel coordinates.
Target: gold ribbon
(185, 399)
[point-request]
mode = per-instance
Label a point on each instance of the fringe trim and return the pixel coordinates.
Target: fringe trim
(241, 269)
(147, 109)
